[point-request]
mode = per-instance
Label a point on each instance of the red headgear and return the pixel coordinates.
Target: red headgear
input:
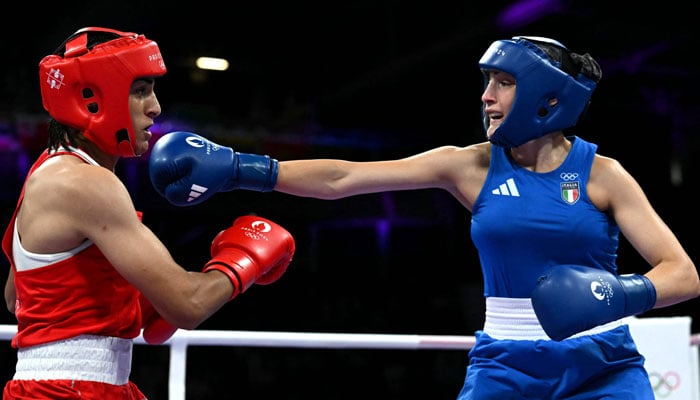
(89, 89)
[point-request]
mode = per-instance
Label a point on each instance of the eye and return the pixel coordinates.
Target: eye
(142, 87)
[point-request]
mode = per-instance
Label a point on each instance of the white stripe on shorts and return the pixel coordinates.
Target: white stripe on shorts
(508, 318)
(83, 358)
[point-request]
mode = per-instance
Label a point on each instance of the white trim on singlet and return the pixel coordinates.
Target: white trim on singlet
(26, 260)
(80, 153)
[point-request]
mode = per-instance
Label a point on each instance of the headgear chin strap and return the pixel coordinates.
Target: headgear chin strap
(88, 88)
(538, 79)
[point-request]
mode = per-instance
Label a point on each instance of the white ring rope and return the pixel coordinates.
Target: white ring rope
(302, 339)
(182, 339)
(312, 340)
(321, 340)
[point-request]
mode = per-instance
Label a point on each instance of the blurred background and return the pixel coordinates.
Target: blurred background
(361, 80)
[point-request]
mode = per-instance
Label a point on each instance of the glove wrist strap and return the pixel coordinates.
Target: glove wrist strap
(640, 294)
(241, 271)
(256, 172)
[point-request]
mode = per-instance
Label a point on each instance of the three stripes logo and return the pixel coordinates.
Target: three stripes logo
(507, 189)
(570, 188)
(195, 192)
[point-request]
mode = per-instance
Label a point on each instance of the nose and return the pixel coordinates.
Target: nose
(153, 109)
(487, 95)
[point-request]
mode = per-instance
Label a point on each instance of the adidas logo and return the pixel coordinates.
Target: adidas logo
(195, 192)
(507, 189)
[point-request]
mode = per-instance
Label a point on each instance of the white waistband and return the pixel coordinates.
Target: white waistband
(83, 358)
(515, 319)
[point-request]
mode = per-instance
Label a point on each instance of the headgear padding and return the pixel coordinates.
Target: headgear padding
(88, 89)
(539, 79)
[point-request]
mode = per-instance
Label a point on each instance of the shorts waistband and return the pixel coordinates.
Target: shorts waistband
(508, 318)
(83, 358)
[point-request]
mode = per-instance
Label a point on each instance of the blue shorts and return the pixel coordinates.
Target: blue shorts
(606, 365)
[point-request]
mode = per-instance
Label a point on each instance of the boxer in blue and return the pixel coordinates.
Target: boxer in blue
(547, 212)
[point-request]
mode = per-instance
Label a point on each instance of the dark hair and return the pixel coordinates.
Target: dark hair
(570, 62)
(61, 135)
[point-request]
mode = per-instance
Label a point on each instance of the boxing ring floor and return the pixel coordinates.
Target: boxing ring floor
(178, 345)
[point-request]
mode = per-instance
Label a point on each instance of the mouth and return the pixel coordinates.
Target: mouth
(494, 114)
(495, 118)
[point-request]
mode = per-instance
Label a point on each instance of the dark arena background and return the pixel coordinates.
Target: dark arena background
(360, 80)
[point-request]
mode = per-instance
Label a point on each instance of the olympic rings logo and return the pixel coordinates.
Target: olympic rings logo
(257, 230)
(664, 385)
(568, 176)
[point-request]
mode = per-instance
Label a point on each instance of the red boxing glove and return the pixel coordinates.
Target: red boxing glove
(252, 250)
(156, 330)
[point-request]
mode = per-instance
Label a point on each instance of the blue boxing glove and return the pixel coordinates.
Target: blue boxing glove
(569, 299)
(187, 169)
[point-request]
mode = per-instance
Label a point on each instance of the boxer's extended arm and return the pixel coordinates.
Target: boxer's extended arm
(187, 169)
(569, 299)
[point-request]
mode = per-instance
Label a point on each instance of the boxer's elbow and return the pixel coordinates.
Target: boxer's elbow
(10, 303)
(10, 297)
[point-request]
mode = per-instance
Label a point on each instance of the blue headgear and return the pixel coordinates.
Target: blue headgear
(538, 79)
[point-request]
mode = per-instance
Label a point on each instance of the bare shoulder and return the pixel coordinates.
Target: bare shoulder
(479, 152)
(476, 154)
(610, 183)
(67, 201)
(74, 182)
(463, 170)
(607, 170)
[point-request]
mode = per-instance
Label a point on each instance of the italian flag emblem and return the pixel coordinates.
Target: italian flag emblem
(570, 192)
